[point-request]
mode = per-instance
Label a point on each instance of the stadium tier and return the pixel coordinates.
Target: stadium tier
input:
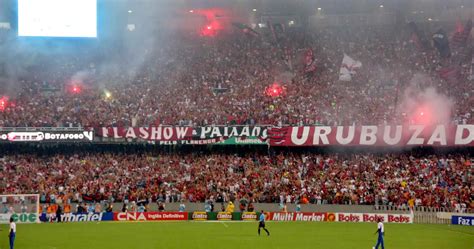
(358, 179)
(285, 124)
(299, 79)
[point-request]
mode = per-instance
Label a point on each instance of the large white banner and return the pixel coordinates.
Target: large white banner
(371, 135)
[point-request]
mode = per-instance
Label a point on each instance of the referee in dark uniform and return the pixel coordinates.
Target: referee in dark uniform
(261, 223)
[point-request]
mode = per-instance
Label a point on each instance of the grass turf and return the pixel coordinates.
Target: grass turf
(229, 235)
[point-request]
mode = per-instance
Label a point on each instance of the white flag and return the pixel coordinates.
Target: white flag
(471, 72)
(348, 68)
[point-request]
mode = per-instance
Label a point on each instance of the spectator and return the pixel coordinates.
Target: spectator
(59, 213)
(182, 207)
(399, 180)
(230, 207)
(225, 82)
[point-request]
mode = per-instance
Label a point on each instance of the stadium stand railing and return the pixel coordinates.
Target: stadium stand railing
(50, 129)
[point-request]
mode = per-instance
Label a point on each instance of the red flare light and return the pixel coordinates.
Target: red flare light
(275, 90)
(210, 30)
(3, 103)
(423, 115)
(76, 90)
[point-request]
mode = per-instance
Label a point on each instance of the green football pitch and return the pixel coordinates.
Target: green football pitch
(231, 235)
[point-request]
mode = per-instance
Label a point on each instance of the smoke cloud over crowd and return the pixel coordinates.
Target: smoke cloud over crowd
(425, 105)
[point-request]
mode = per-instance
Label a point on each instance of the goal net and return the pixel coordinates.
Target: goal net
(22, 208)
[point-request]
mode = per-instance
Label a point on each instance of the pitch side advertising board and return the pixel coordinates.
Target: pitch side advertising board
(338, 217)
(84, 217)
(369, 217)
(462, 220)
(249, 216)
(224, 216)
(150, 216)
(19, 218)
(200, 216)
(291, 216)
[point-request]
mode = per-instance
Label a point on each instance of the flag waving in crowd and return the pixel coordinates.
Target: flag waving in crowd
(471, 71)
(459, 42)
(461, 35)
(418, 37)
(245, 29)
(348, 68)
(441, 42)
(450, 73)
(310, 62)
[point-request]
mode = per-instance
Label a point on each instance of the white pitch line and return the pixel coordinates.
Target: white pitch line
(223, 223)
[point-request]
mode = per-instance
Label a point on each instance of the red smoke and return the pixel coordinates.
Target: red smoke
(213, 26)
(423, 115)
(3, 103)
(426, 107)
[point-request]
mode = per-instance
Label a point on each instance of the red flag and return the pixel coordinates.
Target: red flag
(449, 73)
(461, 36)
(310, 65)
(459, 27)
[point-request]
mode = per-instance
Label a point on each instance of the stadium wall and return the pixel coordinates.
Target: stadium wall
(444, 218)
(388, 217)
(314, 213)
(275, 207)
(229, 216)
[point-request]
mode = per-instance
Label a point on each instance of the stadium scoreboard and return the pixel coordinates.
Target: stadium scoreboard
(57, 18)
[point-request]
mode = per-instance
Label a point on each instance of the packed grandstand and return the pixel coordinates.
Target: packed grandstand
(277, 77)
(225, 80)
(401, 181)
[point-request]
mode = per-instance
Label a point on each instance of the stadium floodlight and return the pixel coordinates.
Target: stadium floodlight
(130, 27)
(24, 208)
(5, 25)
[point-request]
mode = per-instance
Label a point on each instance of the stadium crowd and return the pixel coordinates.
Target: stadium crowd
(396, 180)
(223, 80)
